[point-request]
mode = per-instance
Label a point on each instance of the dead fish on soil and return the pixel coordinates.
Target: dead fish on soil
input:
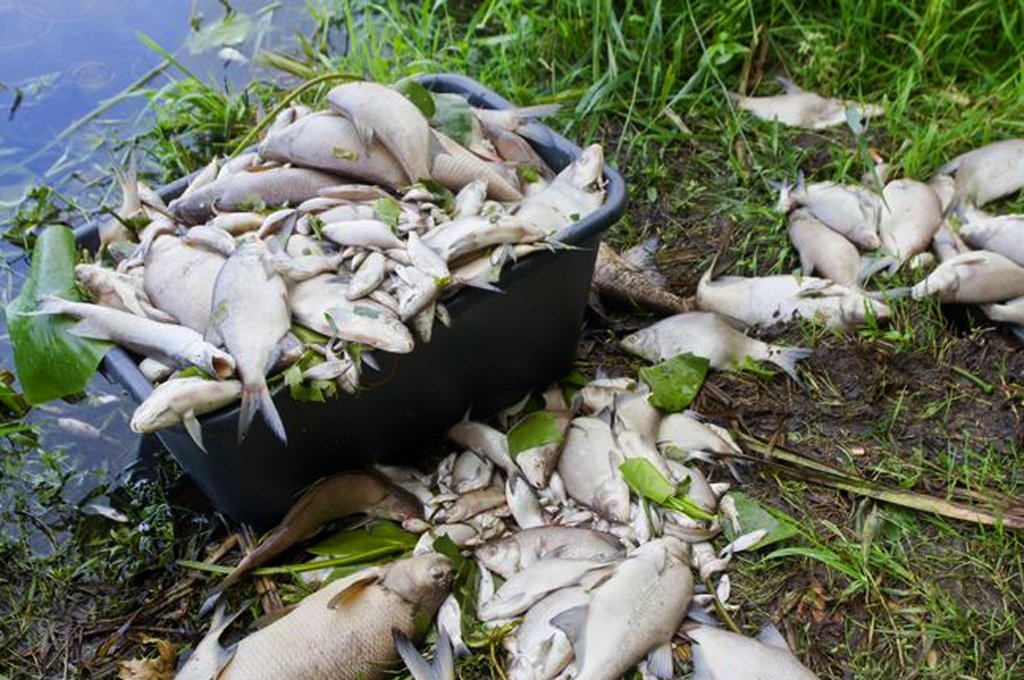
(987, 173)
(344, 631)
(823, 250)
(771, 300)
(618, 279)
(686, 432)
(168, 343)
(799, 108)
(539, 650)
(911, 214)
(976, 277)
(635, 612)
(522, 549)
(708, 335)
(996, 233)
(525, 588)
(850, 210)
(589, 466)
(182, 400)
(719, 653)
(348, 493)
(250, 315)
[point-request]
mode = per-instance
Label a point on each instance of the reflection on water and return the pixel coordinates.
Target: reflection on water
(59, 60)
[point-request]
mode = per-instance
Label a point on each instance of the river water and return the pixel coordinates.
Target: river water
(60, 61)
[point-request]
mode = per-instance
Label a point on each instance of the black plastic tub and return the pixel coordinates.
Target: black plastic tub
(500, 346)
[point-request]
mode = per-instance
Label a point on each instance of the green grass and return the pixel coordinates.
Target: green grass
(878, 592)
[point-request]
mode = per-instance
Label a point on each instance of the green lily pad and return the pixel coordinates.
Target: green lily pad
(646, 480)
(49, 360)
(676, 382)
(415, 92)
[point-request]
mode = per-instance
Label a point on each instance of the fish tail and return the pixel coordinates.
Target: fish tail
(786, 358)
(257, 398)
(891, 294)
(128, 181)
(538, 111)
(869, 268)
(443, 665)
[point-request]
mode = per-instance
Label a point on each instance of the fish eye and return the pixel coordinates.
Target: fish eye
(438, 572)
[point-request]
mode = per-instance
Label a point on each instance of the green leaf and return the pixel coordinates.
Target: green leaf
(415, 92)
(49, 360)
(645, 480)
(536, 429)
(464, 582)
(388, 211)
(676, 382)
(232, 30)
(367, 542)
(740, 514)
(454, 117)
(307, 336)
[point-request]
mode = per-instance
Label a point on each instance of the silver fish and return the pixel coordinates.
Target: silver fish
(315, 300)
(987, 173)
(367, 277)
(470, 199)
(539, 462)
(576, 191)
(453, 166)
(911, 214)
(250, 315)
(425, 258)
(118, 291)
(589, 466)
(771, 300)
(208, 659)
(345, 628)
(303, 267)
(720, 653)
(708, 335)
(470, 234)
(179, 279)
(525, 588)
(471, 504)
(380, 113)
(164, 342)
(236, 223)
(525, 507)
(441, 668)
(797, 107)
(330, 142)
(976, 277)
(486, 441)
(113, 230)
(449, 621)
(362, 233)
(539, 651)
(635, 611)
(998, 234)
(823, 250)
(211, 238)
(1007, 312)
(273, 187)
(685, 432)
(524, 548)
(182, 400)
(850, 210)
(471, 472)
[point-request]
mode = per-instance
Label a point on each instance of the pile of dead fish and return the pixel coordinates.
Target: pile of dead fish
(280, 238)
(595, 580)
(846, 233)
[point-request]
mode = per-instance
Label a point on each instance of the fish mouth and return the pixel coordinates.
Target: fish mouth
(222, 366)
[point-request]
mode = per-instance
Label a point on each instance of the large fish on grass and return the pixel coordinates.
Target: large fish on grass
(987, 173)
(344, 631)
(719, 654)
(250, 315)
(709, 335)
(797, 107)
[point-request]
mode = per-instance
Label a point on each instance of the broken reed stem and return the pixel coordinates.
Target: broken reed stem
(808, 469)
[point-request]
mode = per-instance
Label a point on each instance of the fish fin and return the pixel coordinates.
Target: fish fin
(270, 415)
(443, 666)
(482, 283)
(573, 622)
(786, 358)
(536, 111)
(788, 86)
(365, 133)
(354, 588)
(889, 295)
(191, 424)
(247, 409)
(771, 637)
(86, 328)
(659, 661)
(274, 616)
(128, 181)
(872, 265)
